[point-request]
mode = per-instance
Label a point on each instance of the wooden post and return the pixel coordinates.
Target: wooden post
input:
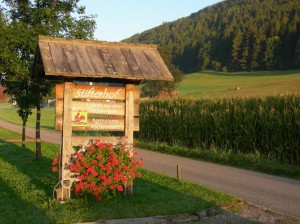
(178, 172)
(129, 126)
(66, 146)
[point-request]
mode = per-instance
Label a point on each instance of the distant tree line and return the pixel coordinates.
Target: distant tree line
(233, 35)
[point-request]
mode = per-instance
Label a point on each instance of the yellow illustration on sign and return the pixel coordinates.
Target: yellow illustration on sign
(79, 118)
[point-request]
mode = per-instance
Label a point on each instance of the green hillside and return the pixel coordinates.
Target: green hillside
(233, 35)
(240, 84)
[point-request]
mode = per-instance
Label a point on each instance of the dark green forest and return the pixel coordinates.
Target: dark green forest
(233, 35)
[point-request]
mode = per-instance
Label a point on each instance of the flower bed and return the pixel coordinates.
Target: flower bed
(102, 169)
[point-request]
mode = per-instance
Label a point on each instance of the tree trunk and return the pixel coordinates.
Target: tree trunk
(38, 147)
(24, 134)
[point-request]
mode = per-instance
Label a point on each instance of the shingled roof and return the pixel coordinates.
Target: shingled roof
(74, 58)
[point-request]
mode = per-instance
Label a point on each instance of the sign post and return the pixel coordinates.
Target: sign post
(93, 108)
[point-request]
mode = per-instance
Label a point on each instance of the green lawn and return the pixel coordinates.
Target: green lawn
(26, 188)
(8, 113)
(7, 135)
(220, 84)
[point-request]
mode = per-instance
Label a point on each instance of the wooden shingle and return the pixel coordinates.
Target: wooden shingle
(75, 58)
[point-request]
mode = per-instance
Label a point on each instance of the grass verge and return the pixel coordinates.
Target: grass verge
(26, 187)
(253, 162)
(7, 135)
(9, 113)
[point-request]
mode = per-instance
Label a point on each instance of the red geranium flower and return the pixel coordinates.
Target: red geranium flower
(102, 169)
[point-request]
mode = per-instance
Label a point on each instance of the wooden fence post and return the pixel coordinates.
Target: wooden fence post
(63, 193)
(129, 126)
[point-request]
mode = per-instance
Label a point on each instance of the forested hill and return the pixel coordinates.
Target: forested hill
(233, 35)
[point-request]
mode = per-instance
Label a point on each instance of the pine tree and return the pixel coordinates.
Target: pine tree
(237, 30)
(297, 54)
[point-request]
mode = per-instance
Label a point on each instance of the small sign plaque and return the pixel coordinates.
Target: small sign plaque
(79, 118)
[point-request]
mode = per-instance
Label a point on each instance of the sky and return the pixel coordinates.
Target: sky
(120, 19)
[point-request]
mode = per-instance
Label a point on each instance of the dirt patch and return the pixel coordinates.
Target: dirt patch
(243, 213)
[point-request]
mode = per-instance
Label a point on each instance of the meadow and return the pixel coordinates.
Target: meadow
(249, 84)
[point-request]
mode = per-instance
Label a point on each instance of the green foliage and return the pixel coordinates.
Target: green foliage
(152, 88)
(22, 94)
(26, 193)
(235, 35)
(103, 169)
(267, 125)
(271, 56)
(22, 22)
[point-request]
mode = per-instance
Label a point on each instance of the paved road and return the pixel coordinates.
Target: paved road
(271, 192)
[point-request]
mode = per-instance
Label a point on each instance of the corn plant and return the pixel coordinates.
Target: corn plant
(269, 126)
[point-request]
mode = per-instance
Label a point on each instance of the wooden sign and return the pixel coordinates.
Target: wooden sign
(90, 100)
(97, 124)
(95, 92)
(93, 108)
(96, 107)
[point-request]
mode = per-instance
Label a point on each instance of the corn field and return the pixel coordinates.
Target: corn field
(269, 126)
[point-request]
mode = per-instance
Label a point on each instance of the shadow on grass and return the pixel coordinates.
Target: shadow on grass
(47, 127)
(16, 210)
(23, 160)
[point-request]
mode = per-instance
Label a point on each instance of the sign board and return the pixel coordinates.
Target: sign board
(96, 92)
(98, 124)
(97, 107)
(89, 101)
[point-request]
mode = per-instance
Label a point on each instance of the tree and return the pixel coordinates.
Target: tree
(18, 85)
(21, 93)
(26, 20)
(232, 33)
(152, 88)
(235, 53)
(204, 55)
(297, 54)
(271, 53)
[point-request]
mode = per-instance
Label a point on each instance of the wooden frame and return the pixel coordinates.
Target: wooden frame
(118, 110)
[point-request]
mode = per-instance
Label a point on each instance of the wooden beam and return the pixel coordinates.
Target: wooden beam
(96, 107)
(66, 146)
(129, 113)
(79, 141)
(98, 124)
